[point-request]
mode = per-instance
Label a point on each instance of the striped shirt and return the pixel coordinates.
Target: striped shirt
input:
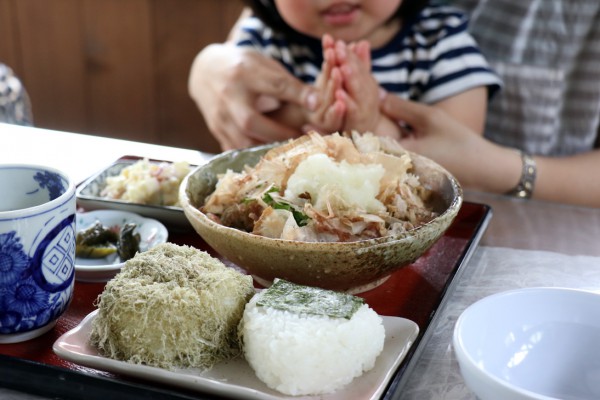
(547, 53)
(431, 58)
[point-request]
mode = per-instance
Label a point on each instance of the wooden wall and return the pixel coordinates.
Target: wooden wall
(115, 68)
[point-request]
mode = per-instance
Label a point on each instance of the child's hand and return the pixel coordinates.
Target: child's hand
(330, 113)
(348, 93)
(361, 91)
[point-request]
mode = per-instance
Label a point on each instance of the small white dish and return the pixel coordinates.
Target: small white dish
(235, 378)
(151, 231)
(535, 343)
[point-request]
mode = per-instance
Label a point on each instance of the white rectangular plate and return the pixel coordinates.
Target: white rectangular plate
(235, 378)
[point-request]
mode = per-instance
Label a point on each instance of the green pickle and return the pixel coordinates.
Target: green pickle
(129, 242)
(96, 251)
(98, 241)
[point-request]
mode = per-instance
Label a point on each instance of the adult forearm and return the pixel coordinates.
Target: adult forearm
(572, 180)
(496, 169)
(482, 165)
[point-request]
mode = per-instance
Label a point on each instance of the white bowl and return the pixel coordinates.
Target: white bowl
(151, 231)
(536, 343)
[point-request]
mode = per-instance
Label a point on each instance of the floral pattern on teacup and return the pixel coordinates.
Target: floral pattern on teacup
(52, 182)
(24, 297)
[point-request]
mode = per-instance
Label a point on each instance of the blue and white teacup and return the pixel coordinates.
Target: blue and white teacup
(37, 249)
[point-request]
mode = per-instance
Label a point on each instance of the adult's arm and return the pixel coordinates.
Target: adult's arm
(226, 83)
(468, 107)
(483, 165)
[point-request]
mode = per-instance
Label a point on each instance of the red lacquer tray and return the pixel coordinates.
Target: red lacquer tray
(415, 292)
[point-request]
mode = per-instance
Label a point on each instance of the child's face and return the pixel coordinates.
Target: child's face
(349, 20)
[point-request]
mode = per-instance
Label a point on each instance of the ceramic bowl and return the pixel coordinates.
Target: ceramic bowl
(151, 232)
(350, 266)
(37, 249)
(535, 343)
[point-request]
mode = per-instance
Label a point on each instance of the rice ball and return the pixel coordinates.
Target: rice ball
(306, 353)
(172, 307)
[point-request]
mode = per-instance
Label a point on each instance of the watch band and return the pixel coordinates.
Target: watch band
(524, 188)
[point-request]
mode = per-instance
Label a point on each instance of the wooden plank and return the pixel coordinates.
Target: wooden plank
(182, 28)
(53, 72)
(113, 67)
(231, 10)
(176, 32)
(120, 68)
(8, 39)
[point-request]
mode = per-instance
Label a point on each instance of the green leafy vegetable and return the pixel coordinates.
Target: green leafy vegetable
(300, 218)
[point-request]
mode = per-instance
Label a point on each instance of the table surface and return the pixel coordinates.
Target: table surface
(527, 243)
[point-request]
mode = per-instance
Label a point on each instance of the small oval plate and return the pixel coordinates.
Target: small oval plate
(151, 231)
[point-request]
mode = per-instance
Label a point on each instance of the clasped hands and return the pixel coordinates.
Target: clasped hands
(347, 96)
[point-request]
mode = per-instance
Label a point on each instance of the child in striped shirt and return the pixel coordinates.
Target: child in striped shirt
(352, 50)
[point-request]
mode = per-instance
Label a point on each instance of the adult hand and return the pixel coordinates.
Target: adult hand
(226, 83)
(428, 130)
(476, 162)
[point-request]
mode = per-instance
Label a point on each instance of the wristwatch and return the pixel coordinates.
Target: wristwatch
(524, 188)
